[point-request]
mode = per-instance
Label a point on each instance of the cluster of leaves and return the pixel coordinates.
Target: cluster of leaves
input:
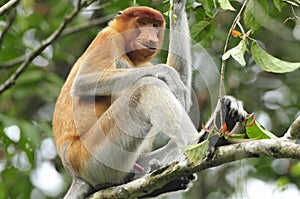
(26, 108)
(253, 131)
(266, 61)
(257, 17)
(29, 103)
(254, 16)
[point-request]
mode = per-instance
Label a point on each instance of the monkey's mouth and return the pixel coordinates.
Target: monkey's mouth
(149, 47)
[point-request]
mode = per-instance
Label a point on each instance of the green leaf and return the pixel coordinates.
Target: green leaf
(225, 5)
(202, 29)
(27, 4)
(208, 6)
(269, 63)
(190, 3)
(278, 4)
(237, 53)
(282, 183)
(254, 130)
(198, 27)
(255, 14)
(197, 152)
(236, 138)
(295, 170)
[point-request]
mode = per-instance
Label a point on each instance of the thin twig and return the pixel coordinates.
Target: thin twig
(223, 65)
(8, 6)
(68, 19)
(237, 18)
(11, 18)
(12, 62)
(84, 26)
(66, 32)
(99, 7)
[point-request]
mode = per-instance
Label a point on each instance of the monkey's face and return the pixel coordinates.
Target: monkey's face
(143, 30)
(145, 39)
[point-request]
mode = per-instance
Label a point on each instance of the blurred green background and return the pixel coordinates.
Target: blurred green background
(29, 165)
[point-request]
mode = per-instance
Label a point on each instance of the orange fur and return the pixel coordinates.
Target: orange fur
(67, 126)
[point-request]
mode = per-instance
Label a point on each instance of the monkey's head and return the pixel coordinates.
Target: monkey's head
(143, 31)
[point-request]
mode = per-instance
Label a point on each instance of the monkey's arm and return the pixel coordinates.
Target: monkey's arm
(109, 81)
(179, 56)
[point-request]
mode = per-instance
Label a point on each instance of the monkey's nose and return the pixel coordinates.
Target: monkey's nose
(153, 41)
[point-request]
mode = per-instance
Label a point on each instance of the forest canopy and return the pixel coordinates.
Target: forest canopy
(256, 42)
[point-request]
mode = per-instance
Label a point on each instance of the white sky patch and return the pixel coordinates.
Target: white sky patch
(2, 165)
(48, 149)
(264, 119)
(46, 178)
(258, 189)
(13, 133)
(20, 161)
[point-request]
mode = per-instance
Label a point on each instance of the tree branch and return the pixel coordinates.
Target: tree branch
(11, 18)
(84, 26)
(65, 33)
(223, 64)
(274, 148)
(294, 131)
(68, 19)
(8, 6)
(12, 62)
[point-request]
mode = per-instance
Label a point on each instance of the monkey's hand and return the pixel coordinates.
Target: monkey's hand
(233, 111)
(178, 6)
(171, 77)
(229, 110)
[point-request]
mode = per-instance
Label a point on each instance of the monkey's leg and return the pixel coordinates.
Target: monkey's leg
(166, 115)
(121, 135)
(105, 155)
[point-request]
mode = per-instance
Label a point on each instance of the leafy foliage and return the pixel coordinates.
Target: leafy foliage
(197, 152)
(237, 53)
(225, 5)
(256, 14)
(269, 63)
(26, 108)
(254, 130)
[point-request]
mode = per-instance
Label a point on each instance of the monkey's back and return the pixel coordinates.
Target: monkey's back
(72, 118)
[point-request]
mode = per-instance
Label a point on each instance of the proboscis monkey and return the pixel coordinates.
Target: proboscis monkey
(114, 101)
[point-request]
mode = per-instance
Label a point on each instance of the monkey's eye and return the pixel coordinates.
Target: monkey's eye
(156, 24)
(142, 22)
